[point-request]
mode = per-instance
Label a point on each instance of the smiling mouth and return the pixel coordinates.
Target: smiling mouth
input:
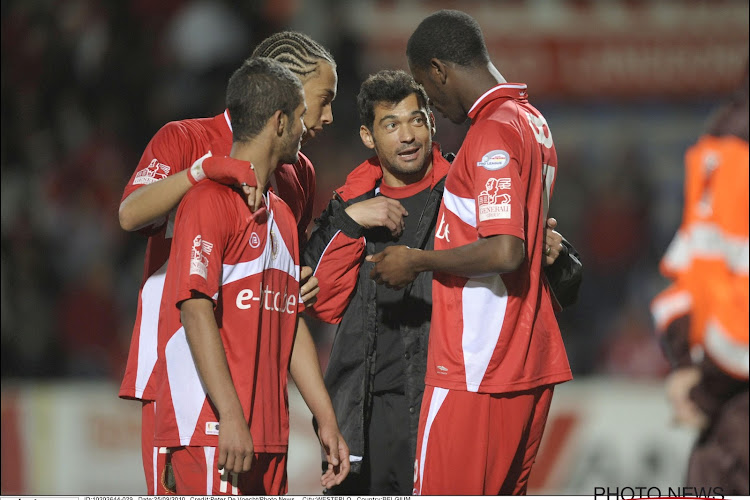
(410, 154)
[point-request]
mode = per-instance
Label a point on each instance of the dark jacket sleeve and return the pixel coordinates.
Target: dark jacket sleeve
(565, 276)
(335, 251)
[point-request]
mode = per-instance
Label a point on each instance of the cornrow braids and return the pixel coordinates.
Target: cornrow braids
(297, 51)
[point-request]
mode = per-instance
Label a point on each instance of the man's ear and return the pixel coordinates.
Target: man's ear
(431, 117)
(366, 136)
(279, 120)
(439, 69)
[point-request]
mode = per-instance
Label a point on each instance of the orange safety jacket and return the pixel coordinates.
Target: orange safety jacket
(708, 258)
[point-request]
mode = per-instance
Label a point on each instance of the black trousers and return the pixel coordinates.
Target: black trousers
(387, 467)
(720, 456)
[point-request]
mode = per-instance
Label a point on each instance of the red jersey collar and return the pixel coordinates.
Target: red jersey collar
(503, 90)
(365, 177)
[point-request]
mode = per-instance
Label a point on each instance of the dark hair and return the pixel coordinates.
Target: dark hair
(448, 35)
(259, 88)
(297, 51)
(386, 86)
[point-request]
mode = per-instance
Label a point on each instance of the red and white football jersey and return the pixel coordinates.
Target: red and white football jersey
(174, 148)
(248, 263)
(497, 333)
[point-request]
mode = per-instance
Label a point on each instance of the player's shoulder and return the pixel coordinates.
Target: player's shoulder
(184, 129)
(303, 167)
(209, 193)
(278, 204)
(304, 162)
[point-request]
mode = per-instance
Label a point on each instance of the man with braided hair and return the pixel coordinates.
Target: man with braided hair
(180, 155)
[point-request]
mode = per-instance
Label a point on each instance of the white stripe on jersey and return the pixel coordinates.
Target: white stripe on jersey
(464, 208)
(149, 329)
(284, 261)
(484, 301)
(438, 396)
(188, 392)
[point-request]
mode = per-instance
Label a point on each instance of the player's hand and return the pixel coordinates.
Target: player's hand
(553, 245)
(393, 266)
(379, 212)
(337, 455)
(235, 444)
(678, 386)
(254, 197)
(308, 286)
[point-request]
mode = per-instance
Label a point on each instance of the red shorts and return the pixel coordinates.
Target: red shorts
(478, 444)
(196, 472)
(154, 458)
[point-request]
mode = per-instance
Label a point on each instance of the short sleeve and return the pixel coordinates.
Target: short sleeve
(494, 159)
(201, 235)
(167, 153)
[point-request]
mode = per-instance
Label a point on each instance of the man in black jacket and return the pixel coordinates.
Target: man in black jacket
(377, 365)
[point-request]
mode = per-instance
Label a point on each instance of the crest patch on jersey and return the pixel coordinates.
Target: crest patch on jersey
(492, 204)
(254, 240)
(199, 260)
(494, 160)
(154, 172)
(212, 428)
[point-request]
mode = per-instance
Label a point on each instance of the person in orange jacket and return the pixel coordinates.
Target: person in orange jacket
(701, 318)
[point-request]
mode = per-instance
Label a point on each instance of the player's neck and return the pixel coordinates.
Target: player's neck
(478, 81)
(264, 161)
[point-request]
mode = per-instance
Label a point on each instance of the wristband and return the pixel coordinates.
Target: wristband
(195, 173)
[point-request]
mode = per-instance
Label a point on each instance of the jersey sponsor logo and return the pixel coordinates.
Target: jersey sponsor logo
(503, 183)
(540, 129)
(154, 172)
(268, 300)
(199, 260)
(212, 428)
(494, 205)
(443, 232)
(442, 370)
(494, 160)
(254, 240)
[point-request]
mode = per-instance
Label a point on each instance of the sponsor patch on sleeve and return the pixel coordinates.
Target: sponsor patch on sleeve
(494, 160)
(494, 205)
(199, 261)
(154, 172)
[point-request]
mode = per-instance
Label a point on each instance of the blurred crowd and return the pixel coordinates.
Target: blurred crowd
(86, 83)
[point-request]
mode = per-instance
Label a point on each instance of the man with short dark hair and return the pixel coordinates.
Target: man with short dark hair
(181, 155)
(230, 305)
(377, 366)
(495, 350)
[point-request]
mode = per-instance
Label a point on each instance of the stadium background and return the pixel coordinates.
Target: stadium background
(626, 86)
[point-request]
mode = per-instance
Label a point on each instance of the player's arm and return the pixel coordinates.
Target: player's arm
(304, 368)
(150, 203)
(397, 266)
(336, 247)
(235, 442)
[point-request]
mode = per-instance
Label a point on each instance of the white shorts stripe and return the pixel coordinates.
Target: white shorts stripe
(209, 451)
(156, 472)
(438, 396)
